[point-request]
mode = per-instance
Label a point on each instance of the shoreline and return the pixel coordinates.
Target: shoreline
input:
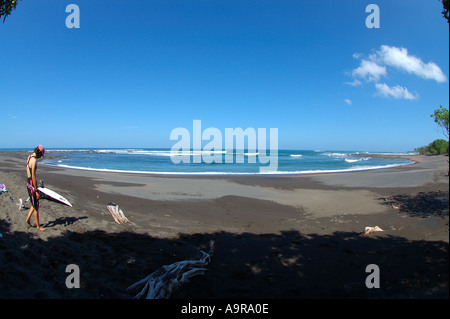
(277, 173)
(411, 158)
(275, 236)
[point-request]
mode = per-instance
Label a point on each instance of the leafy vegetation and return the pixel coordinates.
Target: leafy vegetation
(446, 4)
(437, 147)
(441, 118)
(6, 6)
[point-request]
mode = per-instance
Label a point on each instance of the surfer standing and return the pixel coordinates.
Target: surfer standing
(32, 184)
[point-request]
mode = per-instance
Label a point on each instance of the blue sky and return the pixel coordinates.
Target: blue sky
(311, 68)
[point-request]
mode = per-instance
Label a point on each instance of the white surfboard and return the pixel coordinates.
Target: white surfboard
(54, 195)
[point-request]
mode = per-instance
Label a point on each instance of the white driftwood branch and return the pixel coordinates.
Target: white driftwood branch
(161, 283)
(117, 214)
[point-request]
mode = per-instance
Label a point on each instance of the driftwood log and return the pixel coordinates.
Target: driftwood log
(117, 214)
(161, 283)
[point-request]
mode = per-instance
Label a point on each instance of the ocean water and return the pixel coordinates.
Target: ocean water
(161, 161)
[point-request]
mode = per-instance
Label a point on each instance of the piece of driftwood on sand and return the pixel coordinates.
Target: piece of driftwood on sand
(117, 214)
(161, 283)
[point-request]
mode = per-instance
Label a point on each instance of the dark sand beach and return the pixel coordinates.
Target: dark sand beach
(275, 237)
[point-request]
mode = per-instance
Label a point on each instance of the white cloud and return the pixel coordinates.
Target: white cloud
(397, 92)
(370, 71)
(377, 65)
(348, 101)
(355, 82)
(400, 59)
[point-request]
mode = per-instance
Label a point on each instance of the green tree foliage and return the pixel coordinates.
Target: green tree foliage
(6, 7)
(446, 4)
(441, 118)
(437, 147)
